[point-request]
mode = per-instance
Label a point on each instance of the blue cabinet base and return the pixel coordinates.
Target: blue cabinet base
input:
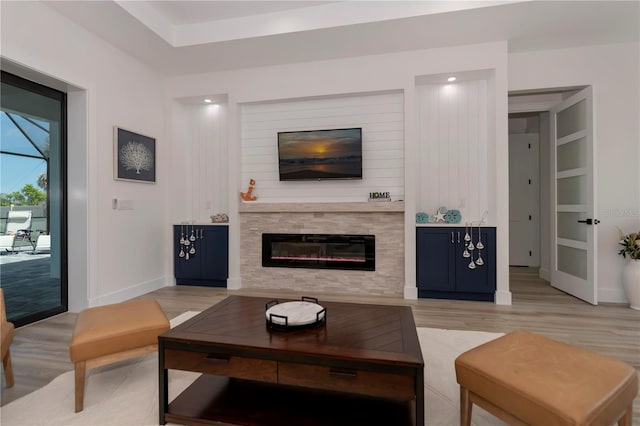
(201, 283)
(482, 297)
(442, 270)
(209, 265)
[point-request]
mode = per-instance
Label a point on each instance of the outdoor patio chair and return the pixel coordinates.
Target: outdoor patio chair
(18, 227)
(43, 244)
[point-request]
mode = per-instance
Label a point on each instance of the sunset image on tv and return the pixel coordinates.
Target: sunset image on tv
(320, 154)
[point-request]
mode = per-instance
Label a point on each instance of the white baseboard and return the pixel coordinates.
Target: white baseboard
(234, 283)
(411, 293)
(503, 297)
(131, 292)
(612, 295)
(544, 274)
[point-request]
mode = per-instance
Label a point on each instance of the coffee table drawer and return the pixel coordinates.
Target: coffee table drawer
(223, 365)
(362, 382)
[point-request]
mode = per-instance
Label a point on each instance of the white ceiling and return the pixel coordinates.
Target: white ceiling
(184, 37)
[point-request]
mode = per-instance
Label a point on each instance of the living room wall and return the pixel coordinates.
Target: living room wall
(395, 72)
(379, 115)
(108, 87)
(113, 254)
(613, 72)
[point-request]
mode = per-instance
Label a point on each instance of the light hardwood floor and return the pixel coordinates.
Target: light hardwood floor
(40, 351)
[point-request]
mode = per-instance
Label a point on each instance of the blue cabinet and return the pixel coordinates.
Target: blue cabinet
(443, 272)
(208, 266)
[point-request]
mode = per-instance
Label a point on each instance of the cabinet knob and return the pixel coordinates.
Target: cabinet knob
(452, 238)
(458, 237)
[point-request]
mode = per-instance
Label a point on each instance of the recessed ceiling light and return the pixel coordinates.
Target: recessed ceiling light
(450, 79)
(208, 101)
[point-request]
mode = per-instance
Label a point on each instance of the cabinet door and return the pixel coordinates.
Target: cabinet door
(215, 247)
(435, 259)
(482, 278)
(183, 268)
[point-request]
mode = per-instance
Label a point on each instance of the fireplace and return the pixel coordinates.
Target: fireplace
(319, 251)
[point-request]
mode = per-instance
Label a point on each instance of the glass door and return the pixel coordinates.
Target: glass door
(573, 198)
(33, 228)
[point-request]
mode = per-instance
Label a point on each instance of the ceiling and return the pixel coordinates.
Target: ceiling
(186, 37)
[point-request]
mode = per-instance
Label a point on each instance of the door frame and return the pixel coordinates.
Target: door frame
(541, 101)
(60, 96)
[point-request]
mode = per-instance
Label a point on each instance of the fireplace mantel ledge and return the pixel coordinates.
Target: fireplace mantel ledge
(352, 207)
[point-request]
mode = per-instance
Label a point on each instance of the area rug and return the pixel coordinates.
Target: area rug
(126, 393)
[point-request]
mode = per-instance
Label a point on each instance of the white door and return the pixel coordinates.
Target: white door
(524, 200)
(573, 197)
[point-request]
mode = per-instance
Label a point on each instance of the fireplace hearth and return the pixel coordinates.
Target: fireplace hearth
(319, 251)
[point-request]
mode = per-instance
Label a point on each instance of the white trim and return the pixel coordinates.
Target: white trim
(131, 292)
(580, 245)
(572, 137)
(572, 208)
(503, 297)
(581, 171)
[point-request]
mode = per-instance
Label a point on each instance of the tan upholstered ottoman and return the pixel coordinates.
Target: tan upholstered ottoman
(111, 333)
(525, 378)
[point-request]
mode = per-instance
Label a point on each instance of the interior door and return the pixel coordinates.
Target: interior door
(573, 197)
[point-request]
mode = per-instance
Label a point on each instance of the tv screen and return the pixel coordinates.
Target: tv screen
(320, 154)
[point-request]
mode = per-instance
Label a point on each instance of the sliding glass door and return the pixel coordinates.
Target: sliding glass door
(33, 225)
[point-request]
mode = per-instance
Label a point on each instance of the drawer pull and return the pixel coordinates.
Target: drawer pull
(343, 373)
(217, 359)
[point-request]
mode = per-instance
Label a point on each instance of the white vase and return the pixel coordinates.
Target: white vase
(631, 282)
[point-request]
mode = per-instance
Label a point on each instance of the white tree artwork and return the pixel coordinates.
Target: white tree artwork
(135, 156)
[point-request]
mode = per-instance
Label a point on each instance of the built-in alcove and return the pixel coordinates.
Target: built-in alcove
(455, 144)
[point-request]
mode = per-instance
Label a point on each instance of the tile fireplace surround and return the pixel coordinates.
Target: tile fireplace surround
(385, 220)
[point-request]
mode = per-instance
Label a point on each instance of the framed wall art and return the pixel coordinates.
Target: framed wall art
(134, 156)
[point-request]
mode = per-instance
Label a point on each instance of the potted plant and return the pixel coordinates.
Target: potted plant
(631, 274)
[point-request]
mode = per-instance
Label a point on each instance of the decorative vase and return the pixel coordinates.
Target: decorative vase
(631, 283)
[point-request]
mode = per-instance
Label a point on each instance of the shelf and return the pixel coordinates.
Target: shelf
(214, 399)
(353, 207)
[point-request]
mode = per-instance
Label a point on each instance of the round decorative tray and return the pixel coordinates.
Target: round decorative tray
(295, 314)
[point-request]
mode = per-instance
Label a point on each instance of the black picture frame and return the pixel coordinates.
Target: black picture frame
(134, 156)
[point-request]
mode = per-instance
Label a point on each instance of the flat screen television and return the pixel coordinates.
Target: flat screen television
(320, 154)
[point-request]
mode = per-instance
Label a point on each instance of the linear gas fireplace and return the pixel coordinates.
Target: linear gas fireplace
(319, 251)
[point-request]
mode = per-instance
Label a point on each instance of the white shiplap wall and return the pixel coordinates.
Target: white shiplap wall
(201, 159)
(381, 118)
(452, 140)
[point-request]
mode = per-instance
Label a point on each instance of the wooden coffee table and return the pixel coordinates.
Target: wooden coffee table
(363, 366)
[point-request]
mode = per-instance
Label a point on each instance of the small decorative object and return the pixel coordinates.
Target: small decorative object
(470, 248)
(219, 218)
(296, 314)
(134, 156)
(379, 196)
(188, 241)
(439, 216)
(631, 273)
(246, 196)
(479, 247)
(422, 217)
(452, 216)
